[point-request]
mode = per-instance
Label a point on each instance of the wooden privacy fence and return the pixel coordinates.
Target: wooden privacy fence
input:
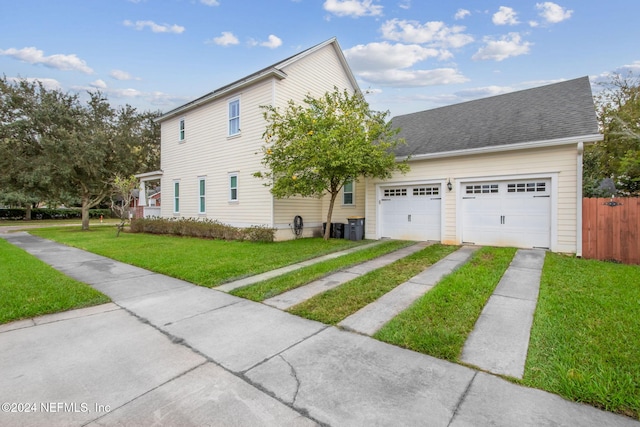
(610, 229)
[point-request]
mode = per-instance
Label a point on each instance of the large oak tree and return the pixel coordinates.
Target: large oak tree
(53, 146)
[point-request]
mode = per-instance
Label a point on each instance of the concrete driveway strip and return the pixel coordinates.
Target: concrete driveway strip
(500, 339)
(345, 379)
(75, 369)
(369, 319)
(296, 296)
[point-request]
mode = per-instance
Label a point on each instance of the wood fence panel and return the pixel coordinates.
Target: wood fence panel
(610, 229)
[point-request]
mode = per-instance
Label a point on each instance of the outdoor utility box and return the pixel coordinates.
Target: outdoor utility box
(355, 228)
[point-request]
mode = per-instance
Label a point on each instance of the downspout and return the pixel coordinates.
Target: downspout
(273, 201)
(579, 201)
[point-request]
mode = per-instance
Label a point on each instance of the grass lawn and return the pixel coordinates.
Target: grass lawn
(204, 262)
(336, 304)
(31, 288)
(440, 322)
(585, 340)
(272, 287)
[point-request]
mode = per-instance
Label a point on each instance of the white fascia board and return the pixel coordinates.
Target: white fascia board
(272, 72)
(509, 147)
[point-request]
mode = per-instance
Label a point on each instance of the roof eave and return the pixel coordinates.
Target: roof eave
(271, 73)
(586, 139)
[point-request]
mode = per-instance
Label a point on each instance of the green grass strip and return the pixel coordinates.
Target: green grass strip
(272, 287)
(203, 262)
(336, 304)
(438, 323)
(585, 339)
(31, 288)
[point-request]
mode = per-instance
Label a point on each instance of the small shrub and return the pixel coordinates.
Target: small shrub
(201, 228)
(49, 213)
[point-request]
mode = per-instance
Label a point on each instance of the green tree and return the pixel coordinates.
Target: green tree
(121, 198)
(618, 155)
(313, 150)
(55, 147)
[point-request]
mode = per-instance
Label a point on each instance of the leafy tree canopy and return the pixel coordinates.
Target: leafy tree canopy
(314, 149)
(618, 155)
(55, 147)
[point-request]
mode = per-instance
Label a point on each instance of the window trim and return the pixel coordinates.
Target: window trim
(202, 195)
(231, 188)
(176, 196)
(230, 118)
(182, 134)
(352, 192)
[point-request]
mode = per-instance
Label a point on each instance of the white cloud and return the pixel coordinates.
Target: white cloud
(273, 42)
(156, 28)
(414, 78)
(461, 14)
(534, 24)
(505, 16)
(435, 33)
(553, 13)
(210, 2)
(50, 84)
(98, 84)
(405, 4)
(507, 46)
(389, 64)
(353, 8)
(58, 61)
(226, 39)
(386, 56)
(122, 75)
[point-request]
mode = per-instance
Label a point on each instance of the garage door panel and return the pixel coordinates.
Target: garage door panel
(411, 212)
(507, 213)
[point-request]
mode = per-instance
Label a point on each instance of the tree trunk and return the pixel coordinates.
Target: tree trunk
(327, 231)
(27, 212)
(85, 212)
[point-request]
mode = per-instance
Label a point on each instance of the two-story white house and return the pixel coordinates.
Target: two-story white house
(503, 171)
(210, 147)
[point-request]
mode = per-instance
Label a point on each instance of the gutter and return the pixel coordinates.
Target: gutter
(509, 147)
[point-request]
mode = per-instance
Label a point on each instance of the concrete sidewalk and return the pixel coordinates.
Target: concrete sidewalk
(166, 352)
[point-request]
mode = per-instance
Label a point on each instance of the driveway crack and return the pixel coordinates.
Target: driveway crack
(294, 374)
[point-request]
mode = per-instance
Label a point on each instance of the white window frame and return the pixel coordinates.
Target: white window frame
(232, 188)
(352, 192)
(182, 135)
(202, 195)
(233, 119)
(176, 196)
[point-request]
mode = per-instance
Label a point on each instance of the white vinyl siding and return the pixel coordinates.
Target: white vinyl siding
(234, 117)
(202, 195)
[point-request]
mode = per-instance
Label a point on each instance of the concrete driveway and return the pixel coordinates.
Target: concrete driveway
(166, 352)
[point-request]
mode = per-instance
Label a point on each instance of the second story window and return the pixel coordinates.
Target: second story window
(181, 132)
(234, 117)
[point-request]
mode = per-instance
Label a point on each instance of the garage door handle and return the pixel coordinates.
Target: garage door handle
(502, 219)
(409, 218)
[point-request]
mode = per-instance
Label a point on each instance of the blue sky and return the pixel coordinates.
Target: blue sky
(412, 55)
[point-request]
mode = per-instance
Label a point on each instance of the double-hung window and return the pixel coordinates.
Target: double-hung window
(233, 187)
(181, 132)
(202, 188)
(176, 197)
(347, 193)
(234, 117)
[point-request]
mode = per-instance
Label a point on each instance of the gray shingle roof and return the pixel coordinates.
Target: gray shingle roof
(560, 110)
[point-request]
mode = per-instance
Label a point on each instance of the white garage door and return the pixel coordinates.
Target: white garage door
(507, 213)
(411, 212)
